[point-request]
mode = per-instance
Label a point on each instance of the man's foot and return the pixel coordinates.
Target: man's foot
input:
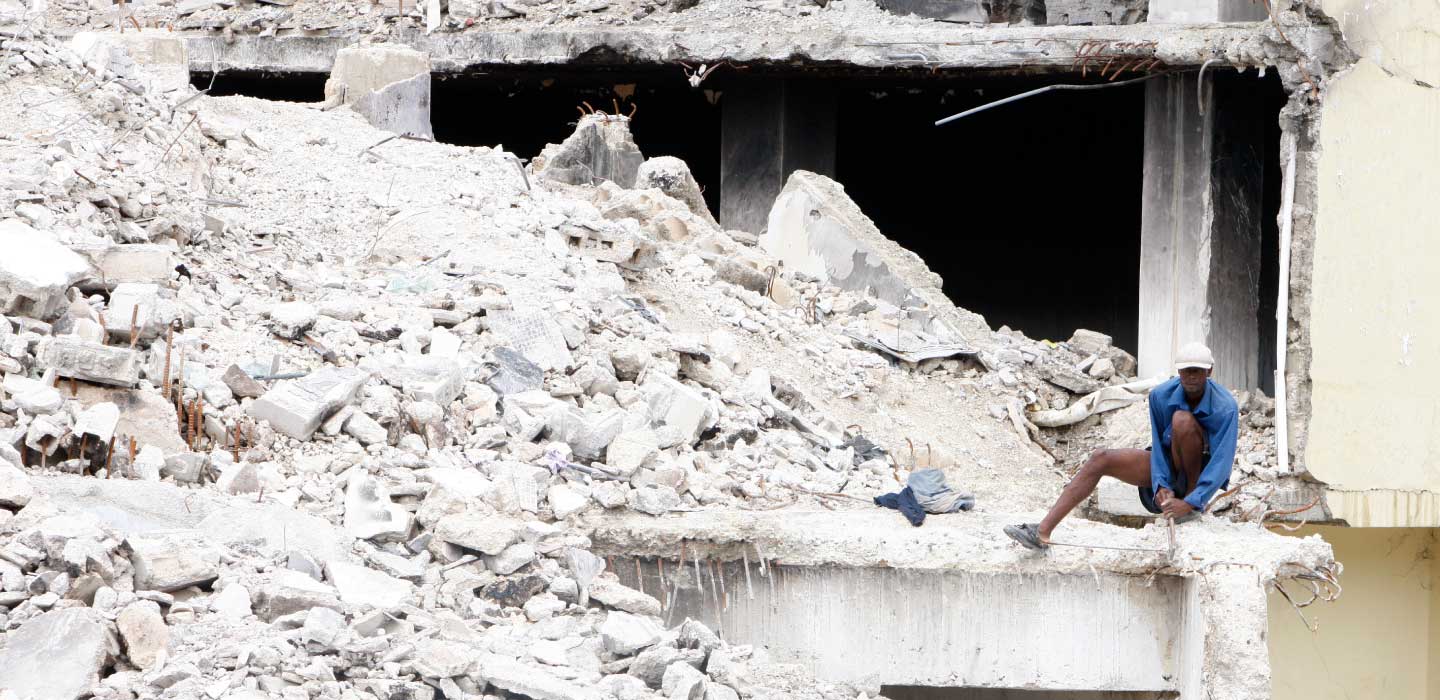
(1028, 535)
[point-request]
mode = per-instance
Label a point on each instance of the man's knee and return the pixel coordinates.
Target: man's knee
(1184, 423)
(1100, 462)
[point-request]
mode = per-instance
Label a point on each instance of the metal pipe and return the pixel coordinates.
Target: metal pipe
(1048, 88)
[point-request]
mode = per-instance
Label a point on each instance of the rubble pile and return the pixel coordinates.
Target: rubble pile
(293, 409)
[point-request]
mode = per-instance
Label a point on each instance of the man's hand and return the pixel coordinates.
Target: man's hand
(1163, 496)
(1176, 507)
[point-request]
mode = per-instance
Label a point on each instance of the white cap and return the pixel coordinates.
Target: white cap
(1194, 355)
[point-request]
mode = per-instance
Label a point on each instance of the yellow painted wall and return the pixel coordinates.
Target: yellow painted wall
(1381, 639)
(1374, 434)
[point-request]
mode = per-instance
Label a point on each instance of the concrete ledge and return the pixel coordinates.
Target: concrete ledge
(1384, 507)
(967, 542)
(946, 46)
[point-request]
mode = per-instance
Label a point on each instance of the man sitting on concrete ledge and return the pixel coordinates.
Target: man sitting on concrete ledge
(1193, 425)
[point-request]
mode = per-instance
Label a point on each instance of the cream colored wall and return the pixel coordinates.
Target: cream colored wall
(1374, 434)
(1381, 638)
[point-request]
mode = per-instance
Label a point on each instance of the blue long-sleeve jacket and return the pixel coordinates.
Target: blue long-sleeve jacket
(1219, 417)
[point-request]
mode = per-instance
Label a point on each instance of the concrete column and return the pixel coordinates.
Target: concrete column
(1200, 227)
(768, 130)
(1201, 11)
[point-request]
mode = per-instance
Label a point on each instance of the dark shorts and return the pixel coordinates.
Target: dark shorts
(1177, 480)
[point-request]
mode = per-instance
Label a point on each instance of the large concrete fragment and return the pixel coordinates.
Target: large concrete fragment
(143, 263)
(1200, 228)
(815, 228)
(369, 512)
(402, 107)
(157, 57)
(171, 560)
(600, 149)
(360, 585)
(672, 176)
(35, 271)
(298, 407)
(103, 364)
(360, 70)
(56, 656)
(145, 635)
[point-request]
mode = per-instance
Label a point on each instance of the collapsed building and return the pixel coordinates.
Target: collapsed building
(558, 349)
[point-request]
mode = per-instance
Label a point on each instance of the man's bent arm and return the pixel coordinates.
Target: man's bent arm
(1222, 459)
(1159, 468)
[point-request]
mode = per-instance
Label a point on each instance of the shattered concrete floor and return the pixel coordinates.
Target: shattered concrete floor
(295, 409)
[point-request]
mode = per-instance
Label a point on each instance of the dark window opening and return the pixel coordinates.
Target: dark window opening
(280, 87)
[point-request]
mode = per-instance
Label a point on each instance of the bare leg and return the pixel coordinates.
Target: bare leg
(1129, 466)
(1187, 444)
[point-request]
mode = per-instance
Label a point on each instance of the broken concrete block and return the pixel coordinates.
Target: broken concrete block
(322, 626)
(612, 244)
(15, 487)
(155, 57)
(437, 380)
(142, 304)
(535, 336)
(360, 70)
(298, 406)
(148, 463)
(241, 384)
(674, 404)
(290, 592)
(291, 319)
(485, 534)
(236, 479)
(654, 499)
(143, 263)
(513, 373)
(683, 681)
(186, 468)
(613, 594)
(402, 107)
(565, 502)
(92, 362)
(99, 421)
(601, 148)
(1087, 342)
(32, 395)
(360, 585)
(366, 429)
(57, 655)
(233, 602)
(169, 560)
(35, 271)
(672, 176)
(369, 512)
(624, 634)
(588, 434)
(512, 559)
(816, 229)
(530, 681)
(145, 635)
(631, 450)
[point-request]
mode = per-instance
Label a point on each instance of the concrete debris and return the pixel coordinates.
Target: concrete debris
(600, 150)
(297, 407)
(144, 633)
(292, 408)
(92, 362)
(369, 511)
(402, 107)
(35, 271)
(170, 561)
(57, 655)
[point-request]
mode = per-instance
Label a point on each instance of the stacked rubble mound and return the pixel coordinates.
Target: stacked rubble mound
(292, 409)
